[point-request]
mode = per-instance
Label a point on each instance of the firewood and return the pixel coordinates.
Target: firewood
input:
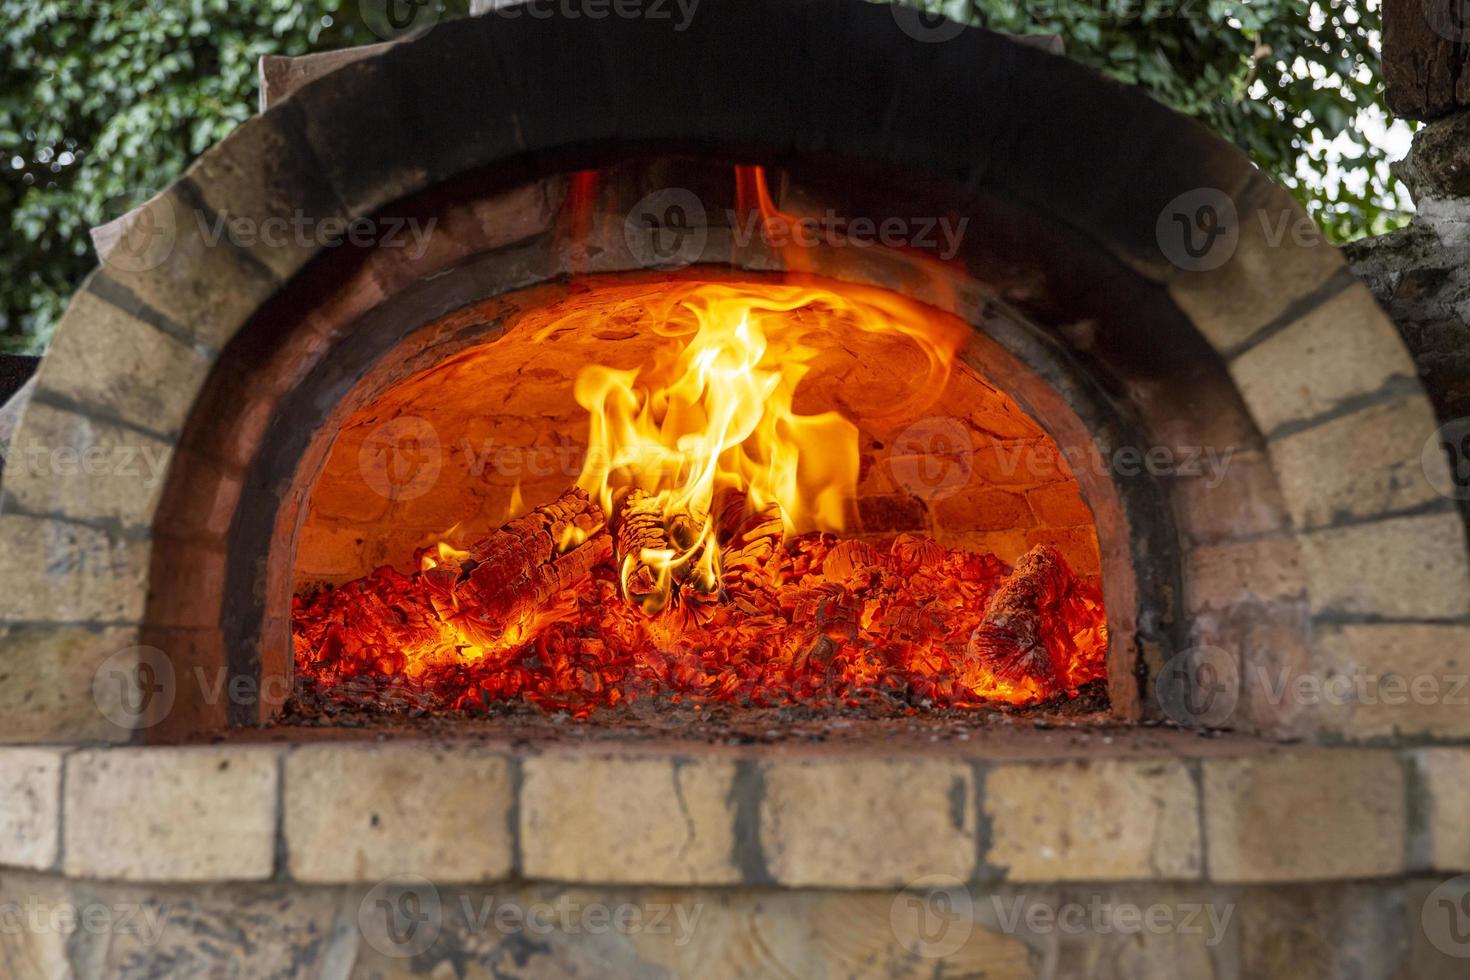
(641, 527)
(1025, 631)
(526, 564)
(912, 552)
(518, 547)
(492, 591)
(493, 611)
(750, 558)
(849, 559)
(638, 528)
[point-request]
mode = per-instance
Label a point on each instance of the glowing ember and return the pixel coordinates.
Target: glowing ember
(698, 556)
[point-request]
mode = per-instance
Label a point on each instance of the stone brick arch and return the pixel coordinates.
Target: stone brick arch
(1335, 556)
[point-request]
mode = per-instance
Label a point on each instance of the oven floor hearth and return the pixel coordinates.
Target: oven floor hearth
(712, 722)
(1078, 726)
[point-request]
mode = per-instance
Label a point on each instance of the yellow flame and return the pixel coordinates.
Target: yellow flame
(714, 410)
(443, 551)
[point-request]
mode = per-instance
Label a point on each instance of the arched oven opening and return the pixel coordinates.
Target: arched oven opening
(785, 473)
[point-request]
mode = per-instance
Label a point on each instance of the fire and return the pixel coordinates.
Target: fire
(439, 554)
(714, 411)
(704, 554)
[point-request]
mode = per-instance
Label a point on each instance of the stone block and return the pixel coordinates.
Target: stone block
(1102, 820)
(1343, 350)
(867, 823)
(628, 819)
(367, 812)
(86, 469)
(61, 572)
(1305, 815)
(171, 814)
(30, 807)
(1405, 567)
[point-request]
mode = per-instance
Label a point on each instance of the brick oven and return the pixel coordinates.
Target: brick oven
(791, 495)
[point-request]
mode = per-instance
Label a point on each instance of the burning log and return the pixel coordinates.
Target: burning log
(486, 596)
(751, 557)
(658, 555)
(637, 530)
(1029, 621)
(492, 591)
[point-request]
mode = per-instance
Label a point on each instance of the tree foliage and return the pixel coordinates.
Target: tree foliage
(102, 102)
(1279, 78)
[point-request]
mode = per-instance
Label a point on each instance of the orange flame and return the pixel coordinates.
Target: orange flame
(715, 410)
(753, 193)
